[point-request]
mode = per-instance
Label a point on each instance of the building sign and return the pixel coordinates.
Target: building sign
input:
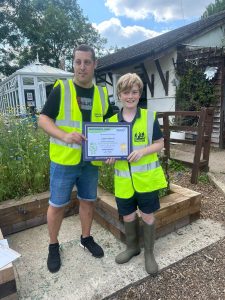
(30, 98)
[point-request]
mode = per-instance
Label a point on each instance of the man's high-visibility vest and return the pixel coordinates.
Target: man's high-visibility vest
(69, 119)
(145, 175)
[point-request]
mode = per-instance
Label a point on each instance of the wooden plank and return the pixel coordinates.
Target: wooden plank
(17, 215)
(177, 209)
(7, 281)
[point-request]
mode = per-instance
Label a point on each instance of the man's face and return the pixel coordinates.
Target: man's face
(84, 67)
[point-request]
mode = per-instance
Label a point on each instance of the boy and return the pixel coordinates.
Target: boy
(138, 179)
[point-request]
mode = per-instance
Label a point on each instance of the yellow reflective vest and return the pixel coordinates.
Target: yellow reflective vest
(145, 175)
(69, 119)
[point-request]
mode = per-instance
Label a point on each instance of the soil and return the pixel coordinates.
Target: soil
(199, 276)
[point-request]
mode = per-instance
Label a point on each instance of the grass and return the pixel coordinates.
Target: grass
(24, 159)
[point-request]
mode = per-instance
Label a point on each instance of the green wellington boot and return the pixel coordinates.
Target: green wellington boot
(132, 241)
(151, 265)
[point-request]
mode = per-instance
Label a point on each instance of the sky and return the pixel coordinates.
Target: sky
(128, 22)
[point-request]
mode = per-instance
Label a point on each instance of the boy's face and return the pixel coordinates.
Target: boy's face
(130, 98)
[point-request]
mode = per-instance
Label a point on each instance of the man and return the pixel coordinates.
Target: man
(69, 104)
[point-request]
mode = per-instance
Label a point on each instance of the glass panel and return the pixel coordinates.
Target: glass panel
(28, 81)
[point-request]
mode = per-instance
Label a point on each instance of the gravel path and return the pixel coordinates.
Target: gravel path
(199, 276)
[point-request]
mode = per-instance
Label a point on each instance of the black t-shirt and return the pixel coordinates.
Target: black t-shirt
(84, 99)
(157, 133)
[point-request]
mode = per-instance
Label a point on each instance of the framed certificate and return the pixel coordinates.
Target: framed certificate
(105, 140)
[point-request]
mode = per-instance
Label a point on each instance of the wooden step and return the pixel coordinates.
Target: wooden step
(178, 209)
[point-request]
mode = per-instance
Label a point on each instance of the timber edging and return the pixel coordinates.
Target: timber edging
(179, 208)
(29, 211)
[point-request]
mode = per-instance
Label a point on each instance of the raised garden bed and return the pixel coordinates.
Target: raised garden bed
(30, 211)
(179, 208)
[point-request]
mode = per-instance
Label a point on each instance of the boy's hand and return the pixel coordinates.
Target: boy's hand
(110, 161)
(135, 155)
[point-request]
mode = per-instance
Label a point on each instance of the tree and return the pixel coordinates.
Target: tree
(51, 28)
(9, 40)
(214, 8)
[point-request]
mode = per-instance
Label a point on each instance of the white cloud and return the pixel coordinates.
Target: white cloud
(172, 10)
(120, 36)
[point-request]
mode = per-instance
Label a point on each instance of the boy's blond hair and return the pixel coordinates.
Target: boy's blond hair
(127, 81)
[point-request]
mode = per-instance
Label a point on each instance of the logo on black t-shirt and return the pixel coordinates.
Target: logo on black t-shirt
(139, 137)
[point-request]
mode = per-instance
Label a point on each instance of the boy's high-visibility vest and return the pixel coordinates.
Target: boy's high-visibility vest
(145, 175)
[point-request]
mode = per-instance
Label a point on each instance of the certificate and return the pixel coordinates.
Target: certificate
(105, 140)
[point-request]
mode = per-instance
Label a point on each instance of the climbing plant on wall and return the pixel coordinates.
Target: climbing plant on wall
(195, 91)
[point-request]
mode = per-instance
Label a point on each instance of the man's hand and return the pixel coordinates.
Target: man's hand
(74, 137)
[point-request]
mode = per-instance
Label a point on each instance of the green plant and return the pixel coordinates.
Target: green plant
(24, 160)
(106, 177)
(194, 91)
(204, 178)
(175, 166)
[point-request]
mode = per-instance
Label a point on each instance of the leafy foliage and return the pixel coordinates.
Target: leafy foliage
(106, 177)
(214, 8)
(24, 159)
(194, 91)
(51, 28)
(204, 178)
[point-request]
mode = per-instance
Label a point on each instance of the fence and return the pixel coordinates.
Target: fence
(203, 121)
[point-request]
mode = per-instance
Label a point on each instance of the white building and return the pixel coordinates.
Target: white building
(156, 61)
(28, 87)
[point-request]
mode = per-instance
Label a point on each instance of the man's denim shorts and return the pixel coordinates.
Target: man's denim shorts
(63, 178)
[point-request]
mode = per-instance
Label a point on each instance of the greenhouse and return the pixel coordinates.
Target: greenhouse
(28, 88)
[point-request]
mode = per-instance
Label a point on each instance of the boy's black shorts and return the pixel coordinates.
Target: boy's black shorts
(146, 202)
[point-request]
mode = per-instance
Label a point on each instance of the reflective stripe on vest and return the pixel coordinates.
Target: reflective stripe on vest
(150, 120)
(135, 169)
(59, 142)
(102, 97)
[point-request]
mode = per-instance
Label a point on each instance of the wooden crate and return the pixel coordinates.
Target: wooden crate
(30, 211)
(7, 282)
(178, 209)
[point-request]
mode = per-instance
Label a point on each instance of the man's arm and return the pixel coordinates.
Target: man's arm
(48, 125)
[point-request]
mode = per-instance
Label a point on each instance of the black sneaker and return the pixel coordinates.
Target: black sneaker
(54, 261)
(93, 247)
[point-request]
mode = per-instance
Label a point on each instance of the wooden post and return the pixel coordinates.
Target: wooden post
(198, 147)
